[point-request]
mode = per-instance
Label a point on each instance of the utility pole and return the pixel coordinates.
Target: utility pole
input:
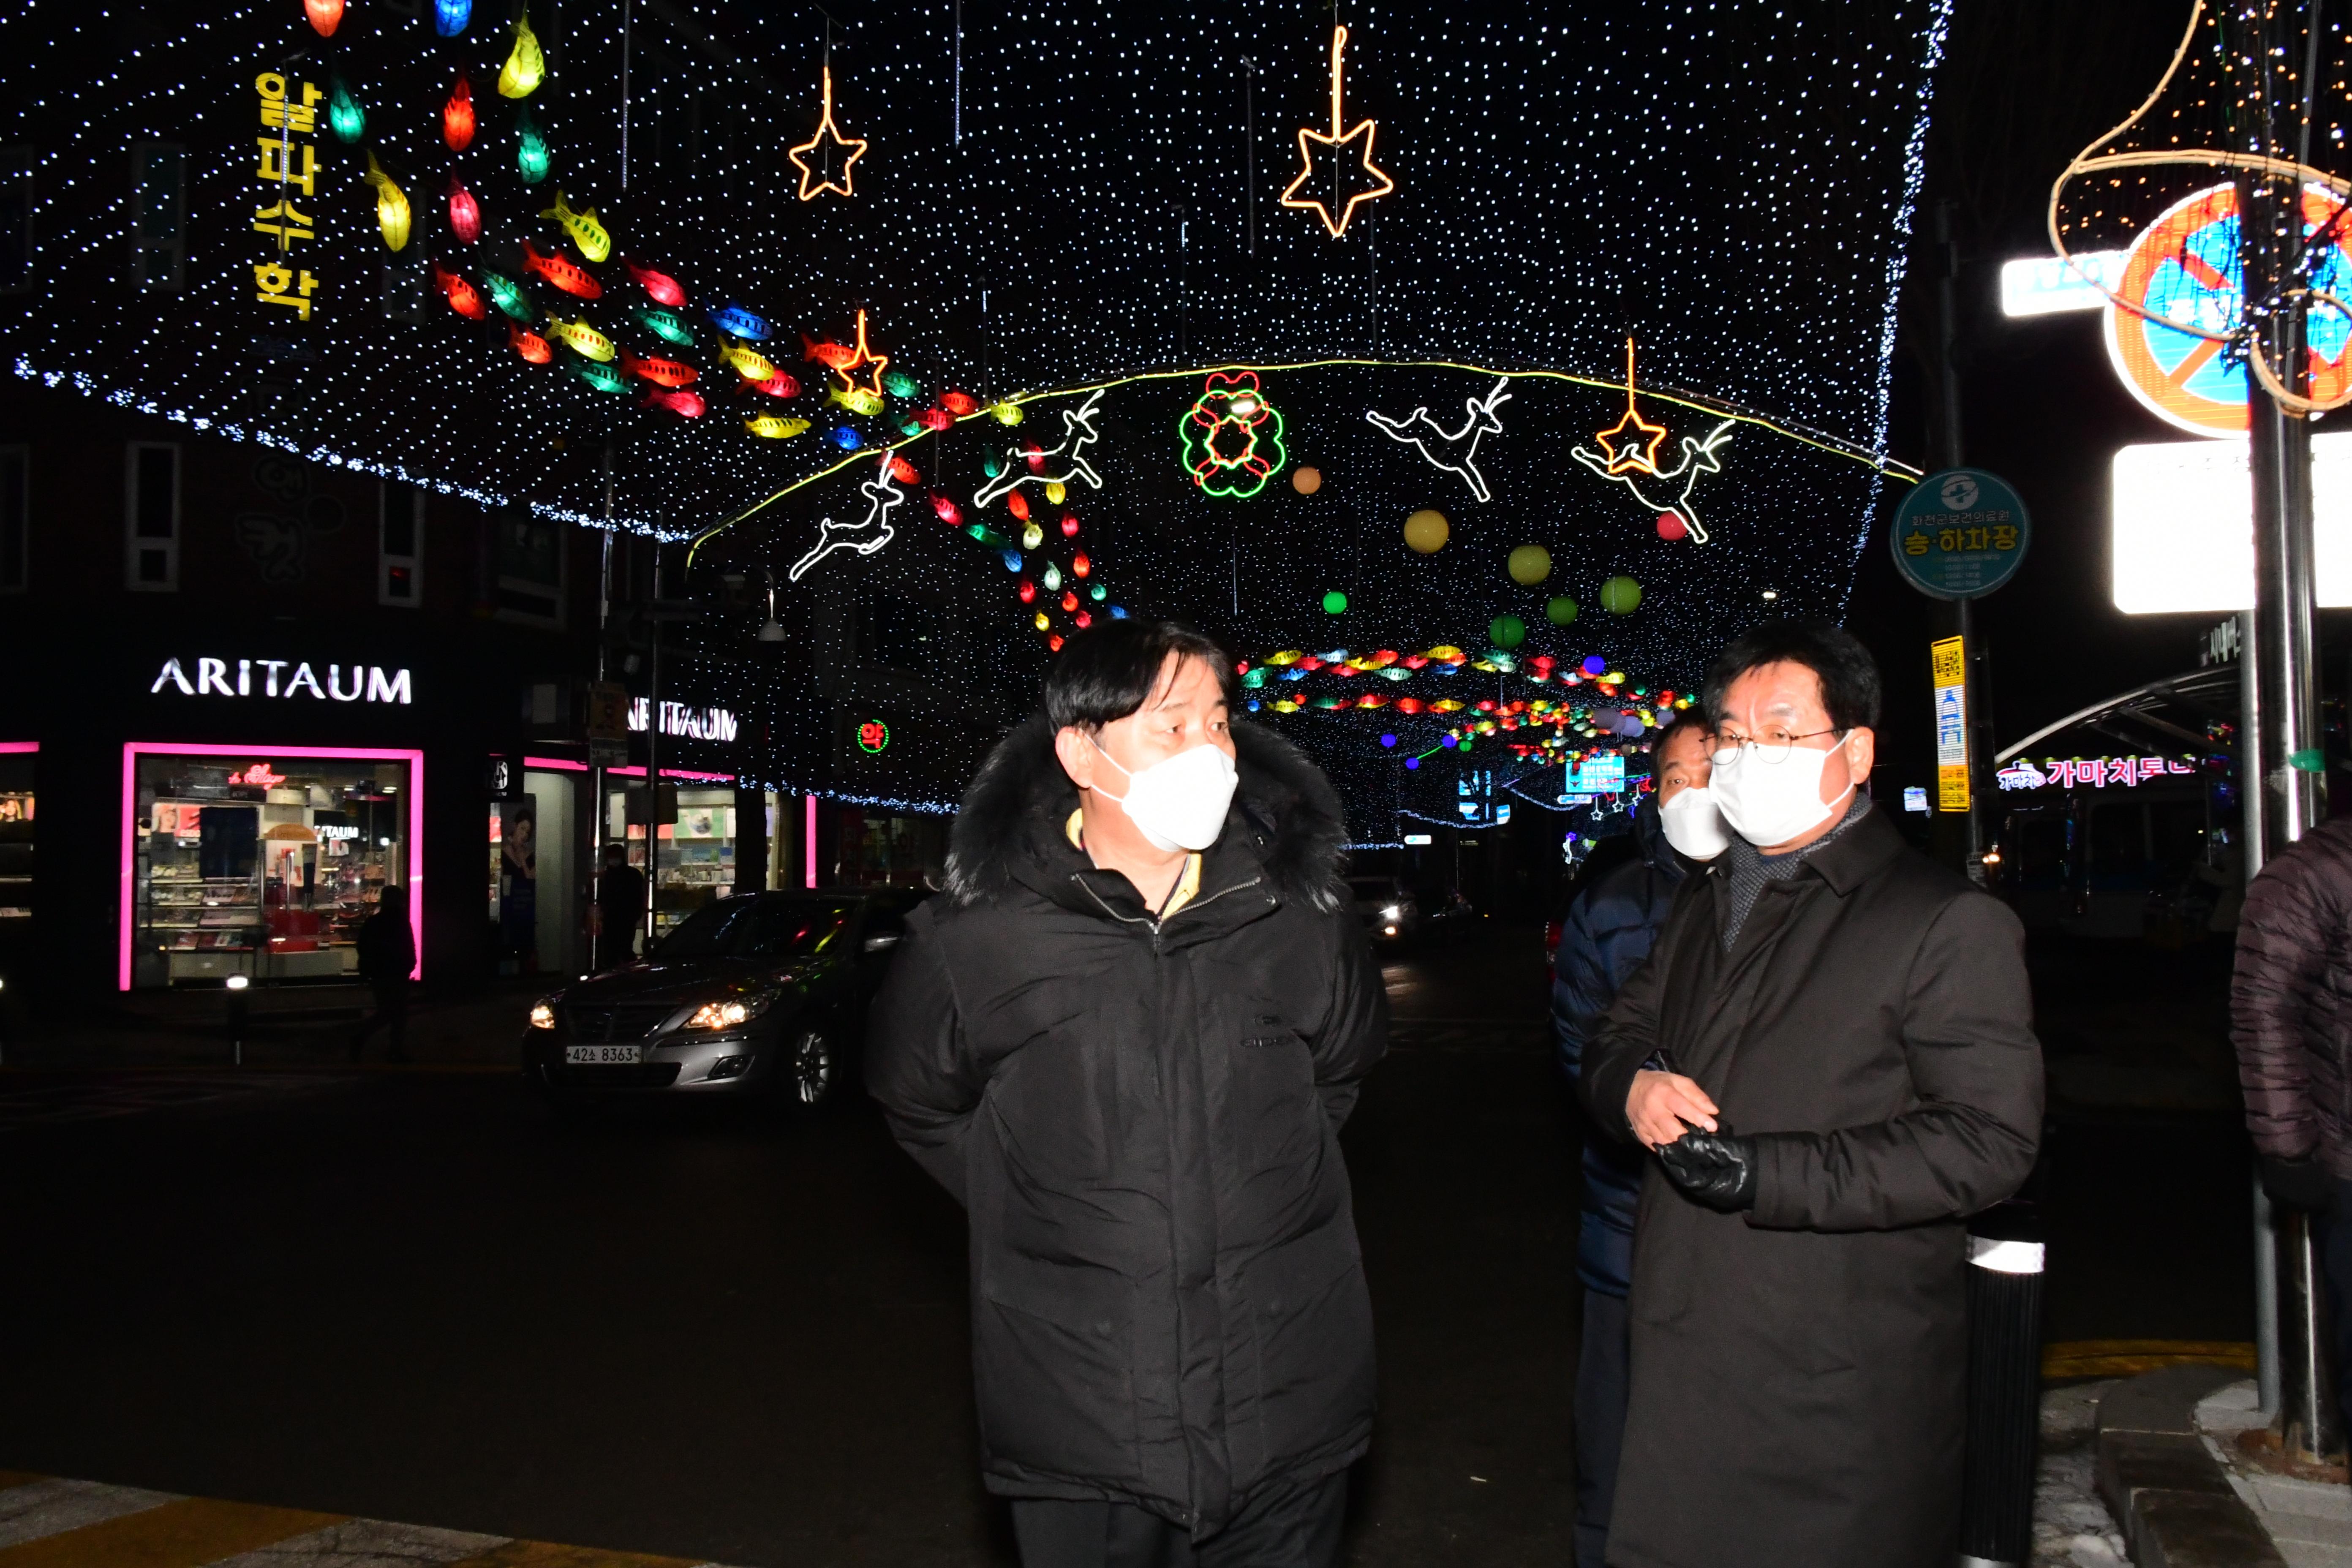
(1946, 453)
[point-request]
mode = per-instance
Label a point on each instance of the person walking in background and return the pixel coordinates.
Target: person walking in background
(1610, 926)
(1830, 1053)
(387, 957)
(620, 908)
(1125, 1038)
(2291, 1021)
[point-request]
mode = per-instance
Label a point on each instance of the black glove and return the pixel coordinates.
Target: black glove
(1714, 1168)
(2299, 1184)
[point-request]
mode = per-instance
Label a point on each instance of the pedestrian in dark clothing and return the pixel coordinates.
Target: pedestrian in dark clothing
(387, 956)
(1831, 1052)
(1610, 926)
(620, 908)
(1125, 1039)
(2290, 1020)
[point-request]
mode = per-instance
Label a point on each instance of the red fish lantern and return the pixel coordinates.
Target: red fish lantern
(464, 212)
(530, 345)
(947, 511)
(573, 280)
(1086, 619)
(958, 403)
(457, 116)
(832, 356)
(1069, 601)
(1054, 642)
(1036, 457)
(1018, 505)
(935, 420)
(1028, 592)
(902, 470)
(777, 386)
(462, 296)
(1080, 565)
(326, 15)
(686, 404)
(662, 288)
(660, 372)
(1069, 525)
(1408, 704)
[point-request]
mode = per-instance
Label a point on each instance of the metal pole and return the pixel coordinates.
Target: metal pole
(1948, 454)
(653, 762)
(601, 943)
(2250, 854)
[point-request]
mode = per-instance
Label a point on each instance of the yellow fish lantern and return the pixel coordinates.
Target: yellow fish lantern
(525, 67)
(857, 399)
(747, 362)
(581, 338)
(1007, 412)
(391, 205)
(594, 242)
(773, 428)
(1056, 491)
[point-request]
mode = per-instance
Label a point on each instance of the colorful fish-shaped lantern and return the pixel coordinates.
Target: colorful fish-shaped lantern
(450, 17)
(734, 319)
(1018, 505)
(660, 372)
(1007, 412)
(780, 385)
(391, 205)
(325, 16)
(857, 399)
(749, 363)
(345, 118)
(832, 356)
(532, 154)
(462, 296)
(584, 341)
(846, 439)
(1069, 525)
(464, 212)
(935, 420)
(571, 279)
(902, 470)
(959, 403)
(665, 326)
(457, 116)
(688, 404)
(530, 345)
(660, 287)
(947, 511)
(586, 232)
(1032, 537)
(603, 377)
(773, 428)
(525, 67)
(899, 386)
(510, 297)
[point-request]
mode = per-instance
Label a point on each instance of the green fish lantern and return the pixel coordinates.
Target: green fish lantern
(665, 325)
(603, 377)
(344, 115)
(899, 386)
(509, 296)
(531, 154)
(586, 232)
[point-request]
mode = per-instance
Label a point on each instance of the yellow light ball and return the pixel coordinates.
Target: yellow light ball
(1426, 530)
(1529, 564)
(1306, 481)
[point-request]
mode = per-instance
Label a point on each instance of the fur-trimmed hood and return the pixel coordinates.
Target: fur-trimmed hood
(1020, 799)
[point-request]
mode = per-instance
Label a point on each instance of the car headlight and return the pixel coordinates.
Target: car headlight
(542, 1017)
(731, 1013)
(1392, 912)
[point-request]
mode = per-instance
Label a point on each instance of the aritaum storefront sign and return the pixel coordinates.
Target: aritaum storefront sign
(282, 678)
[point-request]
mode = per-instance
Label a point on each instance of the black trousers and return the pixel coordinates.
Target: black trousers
(2332, 1238)
(1600, 1376)
(392, 1012)
(1282, 1525)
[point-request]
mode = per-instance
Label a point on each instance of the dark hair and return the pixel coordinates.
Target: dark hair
(1109, 671)
(1686, 719)
(393, 901)
(1848, 675)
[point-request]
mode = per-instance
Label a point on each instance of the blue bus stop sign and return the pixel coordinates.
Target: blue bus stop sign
(1960, 534)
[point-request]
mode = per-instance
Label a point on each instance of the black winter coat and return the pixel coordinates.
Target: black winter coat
(1142, 1118)
(2291, 1002)
(1798, 1371)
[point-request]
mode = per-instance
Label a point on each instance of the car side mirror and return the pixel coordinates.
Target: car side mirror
(882, 942)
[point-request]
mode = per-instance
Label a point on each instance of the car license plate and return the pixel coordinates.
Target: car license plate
(602, 1056)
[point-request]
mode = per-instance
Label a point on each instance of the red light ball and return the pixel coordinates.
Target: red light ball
(1671, 526)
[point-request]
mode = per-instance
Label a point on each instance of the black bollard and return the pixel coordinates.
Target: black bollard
(2004, 1429)
(236, 984)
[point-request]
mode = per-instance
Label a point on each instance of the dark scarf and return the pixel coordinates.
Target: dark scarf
(1748, 869)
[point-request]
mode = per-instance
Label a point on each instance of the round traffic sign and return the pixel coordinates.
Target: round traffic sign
(1960, 534)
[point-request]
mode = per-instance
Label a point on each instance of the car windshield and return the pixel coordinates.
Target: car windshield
(1372, 890)
(758, 928)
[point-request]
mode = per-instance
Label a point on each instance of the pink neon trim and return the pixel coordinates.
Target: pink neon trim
(559, 763)
(634, 772)
(18, 747)
(810, 858)
(133, 750)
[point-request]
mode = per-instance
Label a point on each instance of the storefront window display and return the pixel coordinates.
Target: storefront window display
(17, 759)
(697, 860)
(890, 849)
(259, 860)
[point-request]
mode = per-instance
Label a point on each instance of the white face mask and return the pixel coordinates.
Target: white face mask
(1180, 802)
(1694, 825)
(1769, 803)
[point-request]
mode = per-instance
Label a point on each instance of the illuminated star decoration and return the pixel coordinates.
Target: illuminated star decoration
(864, 356)
(812, 184)
(1633, 442)
(1340, 137)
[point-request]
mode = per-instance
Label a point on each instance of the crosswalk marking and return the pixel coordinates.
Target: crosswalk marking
(48, 1522)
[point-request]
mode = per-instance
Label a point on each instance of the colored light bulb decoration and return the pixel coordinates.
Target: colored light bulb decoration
(325, 16)
(525, 67)
(1452, 451)
(1052, 579)
(844, 360)
(899, 385)
(737, 321)
(510, 296)
(1032, 537)
(866, 536)
(1069, 525)
(464, 212)
(463, 298)
(1050, 466)
(457, 116)
(1028, 592)
(586, 232)
(1080, 565)
(1426, 530)
(1620, 596)
(1371, 180)
(780, 385)
(822, 145)
(1007, 412)
(603, 377)
(660, 372)
(857, 399)
(685, 405)
(660, 287)
(532, 154)
(391, 205)
(345, 118)
(1529, 564)
(584, 341)
(565, 275)
(847, 439)
(959, 403)
(745, 361)
(1628, 456)
(1559, 610)
(935, 420)
(530, 345)
(1231, 436)
(665, 325)
(450, 17)
(1335, 603)
(773, 428)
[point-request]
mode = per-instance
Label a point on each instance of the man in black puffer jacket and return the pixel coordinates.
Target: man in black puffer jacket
(1125, 1040)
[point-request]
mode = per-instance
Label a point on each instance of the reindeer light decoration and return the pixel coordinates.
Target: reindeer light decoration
(866, 536)
(1078, 433)
(1451, 449)
(1628, 456)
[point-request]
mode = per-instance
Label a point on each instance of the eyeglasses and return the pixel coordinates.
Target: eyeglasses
(1771, 746)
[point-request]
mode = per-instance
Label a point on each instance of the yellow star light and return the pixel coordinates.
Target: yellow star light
(813, 184)
(1340, 137)
(1629, 452)
(864, 356)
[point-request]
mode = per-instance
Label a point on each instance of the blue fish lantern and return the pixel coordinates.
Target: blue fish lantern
(741, 322)
(846, 439)
(450, 17)
(1012, 561)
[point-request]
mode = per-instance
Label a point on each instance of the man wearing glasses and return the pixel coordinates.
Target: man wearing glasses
(1831, 1055)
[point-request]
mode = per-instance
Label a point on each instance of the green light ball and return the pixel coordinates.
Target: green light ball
(1335, 603)
(1529, 564)
(1560, 610)
(1620, 595)
(1507, 631)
